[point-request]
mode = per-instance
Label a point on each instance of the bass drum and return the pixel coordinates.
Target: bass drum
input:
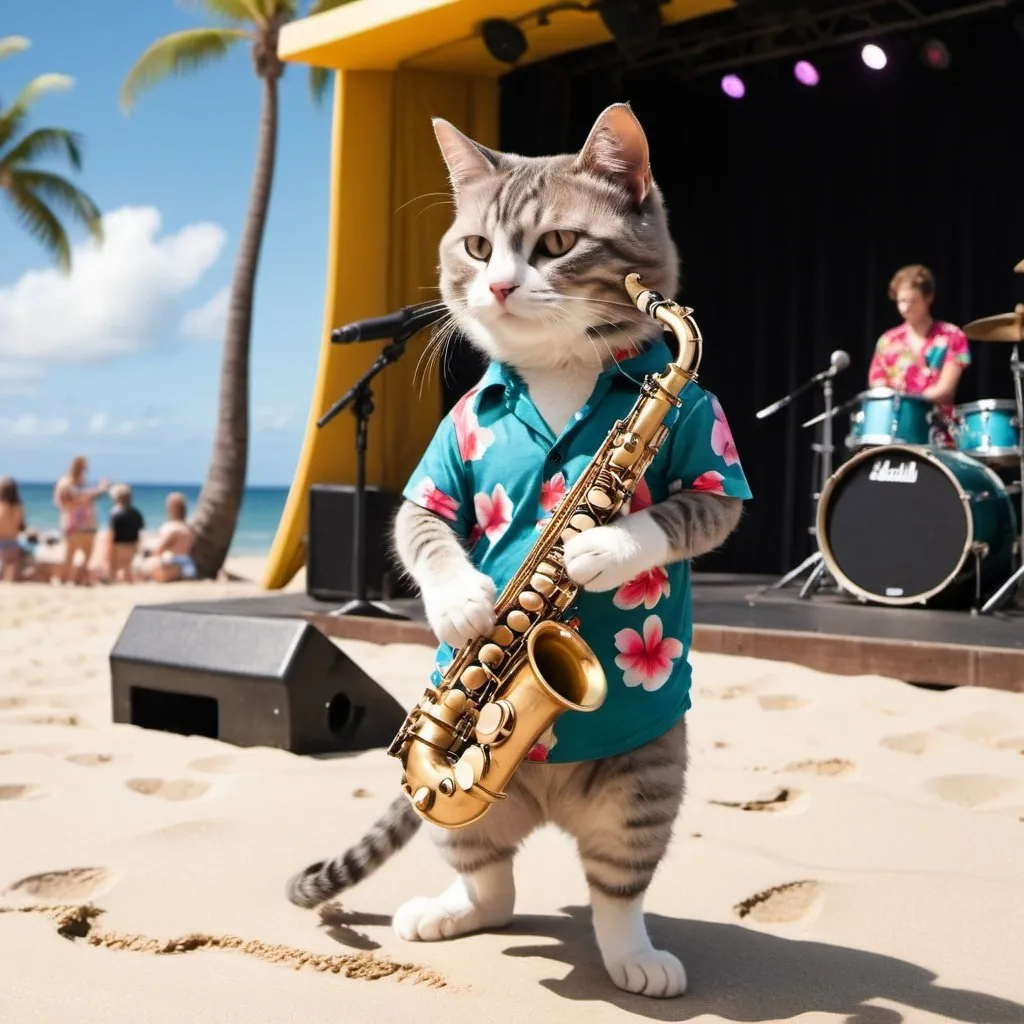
(900, 525)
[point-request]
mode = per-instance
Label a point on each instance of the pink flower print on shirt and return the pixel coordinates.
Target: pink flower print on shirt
(473, 440)
(917, 378)
(647, 660)
(722, 442)
(544, 745)
(709, 482)
(641, 497)
(430, 496)
(493, 512)
(647, 589)
(552, 492)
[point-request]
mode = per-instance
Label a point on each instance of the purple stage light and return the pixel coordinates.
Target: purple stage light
(732, 86)
(806, 73)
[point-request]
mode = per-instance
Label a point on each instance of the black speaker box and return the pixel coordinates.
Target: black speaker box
(249, 681)
(330, 567)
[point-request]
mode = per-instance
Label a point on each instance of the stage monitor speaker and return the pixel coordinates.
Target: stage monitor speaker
(330, 572)
(254, 682)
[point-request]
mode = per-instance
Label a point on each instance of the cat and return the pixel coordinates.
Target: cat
(532, 268)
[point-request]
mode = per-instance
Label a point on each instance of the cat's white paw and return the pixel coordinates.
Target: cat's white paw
(461, 609)
(654, 972)
(430, 919)
(602, 558)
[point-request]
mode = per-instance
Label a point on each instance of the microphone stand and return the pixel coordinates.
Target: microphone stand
(825, 449)
(360, 397)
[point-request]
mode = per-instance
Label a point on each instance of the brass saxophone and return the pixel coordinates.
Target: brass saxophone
(463, 741)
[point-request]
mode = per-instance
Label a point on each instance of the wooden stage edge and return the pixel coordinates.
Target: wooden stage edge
(919, 662)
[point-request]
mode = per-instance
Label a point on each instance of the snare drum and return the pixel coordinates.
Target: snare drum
(988, 430)
(888, 417)
(899, 525)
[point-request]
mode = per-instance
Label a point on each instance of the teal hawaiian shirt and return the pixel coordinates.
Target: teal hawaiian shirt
(495, 471)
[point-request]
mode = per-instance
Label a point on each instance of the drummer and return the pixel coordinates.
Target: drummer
(922, 356)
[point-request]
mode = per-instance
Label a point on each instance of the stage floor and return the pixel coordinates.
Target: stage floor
(829, 632)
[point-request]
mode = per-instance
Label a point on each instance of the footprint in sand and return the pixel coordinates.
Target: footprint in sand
(988, 728)
(782, 702)
(212, 764)
(781, 799)
(832, 766)
(22, 791)
(782, 904)
(971, 790)
(361, 794)
(68, 720)
(169, 789)
(1014, 743)
(73, 884)
(908, 743)
(7, 703)
(89, 760)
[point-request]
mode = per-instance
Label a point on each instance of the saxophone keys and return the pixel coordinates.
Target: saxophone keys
(491, 654)
(469, 768)
(456, 700)
(599, 499)
(568, 533)
(422, 798)
(542, 584)
(519, 621)
(496, 721)
(547, 569)
(581, 521)
(502, 635)
(473, 677)
(531, 601)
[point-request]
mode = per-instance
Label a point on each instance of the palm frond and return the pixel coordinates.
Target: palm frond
(239, 11)
(40, 222)
(42, 142)
(39, 86)
(12, 44)
(177, 54)
(58, 191)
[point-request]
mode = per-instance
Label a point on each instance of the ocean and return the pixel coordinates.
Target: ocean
(257, 521)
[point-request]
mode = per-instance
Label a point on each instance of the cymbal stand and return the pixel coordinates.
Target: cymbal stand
(825, 449)
(1003, 594)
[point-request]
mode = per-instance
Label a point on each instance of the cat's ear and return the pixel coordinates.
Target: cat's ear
(467, 160)
(616, 148)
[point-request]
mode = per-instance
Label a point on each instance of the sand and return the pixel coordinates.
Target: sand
(851, 850)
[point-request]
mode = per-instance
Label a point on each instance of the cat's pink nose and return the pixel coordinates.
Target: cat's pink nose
(502, 291)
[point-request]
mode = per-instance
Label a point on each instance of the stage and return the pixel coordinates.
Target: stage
(830, 633)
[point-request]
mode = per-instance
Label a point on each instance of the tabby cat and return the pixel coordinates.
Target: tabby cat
(532, 272)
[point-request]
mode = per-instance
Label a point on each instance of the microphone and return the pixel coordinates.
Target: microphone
(409, 319)
(838, 361)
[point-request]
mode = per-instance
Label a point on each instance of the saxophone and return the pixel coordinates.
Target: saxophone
(463, 741)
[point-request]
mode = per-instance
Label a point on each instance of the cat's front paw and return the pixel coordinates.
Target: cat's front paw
(602, 558)
(461, 608)
(654, 972)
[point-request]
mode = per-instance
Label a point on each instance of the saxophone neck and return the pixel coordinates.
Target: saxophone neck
(678, 319)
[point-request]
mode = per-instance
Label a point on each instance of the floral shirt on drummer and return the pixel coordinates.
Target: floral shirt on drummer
(898, 366)
(496, 472)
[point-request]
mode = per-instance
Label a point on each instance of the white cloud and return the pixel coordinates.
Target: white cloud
(100, 425)
(118, 297)
(29, 425)
(267, 420)
(20, 378)
(207, 323)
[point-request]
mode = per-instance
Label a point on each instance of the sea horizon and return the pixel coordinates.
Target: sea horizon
(258, 519)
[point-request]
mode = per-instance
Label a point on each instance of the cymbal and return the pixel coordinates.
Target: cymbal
(1002, 327)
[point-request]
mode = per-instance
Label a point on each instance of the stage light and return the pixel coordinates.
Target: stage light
(504, 40)
(733, 87)
(874, 56)
(935, 54)
(806, 73)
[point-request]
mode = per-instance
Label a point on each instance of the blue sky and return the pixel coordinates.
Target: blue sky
(122, 362)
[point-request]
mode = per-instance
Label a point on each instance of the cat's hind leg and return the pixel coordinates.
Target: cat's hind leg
(629, 805)
(483, 894)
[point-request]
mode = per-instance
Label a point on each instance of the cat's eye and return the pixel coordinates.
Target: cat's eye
(478, 247)
(557, 243)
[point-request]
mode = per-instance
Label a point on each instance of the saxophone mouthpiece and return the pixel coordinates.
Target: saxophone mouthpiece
(639, 294)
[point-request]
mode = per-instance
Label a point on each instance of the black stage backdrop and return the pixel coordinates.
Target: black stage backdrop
(793, 207)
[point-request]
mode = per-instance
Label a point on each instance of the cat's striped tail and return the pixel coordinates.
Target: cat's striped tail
(325, 879)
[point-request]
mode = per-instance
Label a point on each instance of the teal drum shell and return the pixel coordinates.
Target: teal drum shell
(903, 525)
(988, 430)
(887, 417)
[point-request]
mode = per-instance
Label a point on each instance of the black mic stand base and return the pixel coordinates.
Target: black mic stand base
(369, 609)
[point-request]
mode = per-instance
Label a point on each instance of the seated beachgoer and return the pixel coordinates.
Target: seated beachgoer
(171, 559)
(126, 526)
(16, 543)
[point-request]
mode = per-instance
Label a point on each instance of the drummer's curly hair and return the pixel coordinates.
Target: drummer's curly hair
(916, 275)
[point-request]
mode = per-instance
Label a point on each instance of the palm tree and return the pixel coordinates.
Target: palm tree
(257, 23)
(31, 193)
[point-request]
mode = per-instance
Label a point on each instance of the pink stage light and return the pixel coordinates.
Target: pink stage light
(733, 87)
(806, 73)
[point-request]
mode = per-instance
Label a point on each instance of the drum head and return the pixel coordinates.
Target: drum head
(893, 526)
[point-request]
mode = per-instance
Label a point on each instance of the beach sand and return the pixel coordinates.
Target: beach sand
(850, 850)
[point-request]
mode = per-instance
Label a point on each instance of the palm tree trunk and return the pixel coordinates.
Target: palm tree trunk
(216, 511)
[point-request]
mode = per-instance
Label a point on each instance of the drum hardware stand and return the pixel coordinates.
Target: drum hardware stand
(816, 561)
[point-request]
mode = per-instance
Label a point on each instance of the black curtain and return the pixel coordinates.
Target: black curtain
(793, 207)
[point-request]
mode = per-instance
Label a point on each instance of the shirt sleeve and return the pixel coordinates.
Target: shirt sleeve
(877, 376)
(958, 351)
(441, 482)
(702, 452)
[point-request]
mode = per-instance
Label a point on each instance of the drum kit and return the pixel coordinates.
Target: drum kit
(924, 511)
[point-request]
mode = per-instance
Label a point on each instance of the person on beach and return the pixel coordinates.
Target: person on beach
(77, 504)
(172, 558)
